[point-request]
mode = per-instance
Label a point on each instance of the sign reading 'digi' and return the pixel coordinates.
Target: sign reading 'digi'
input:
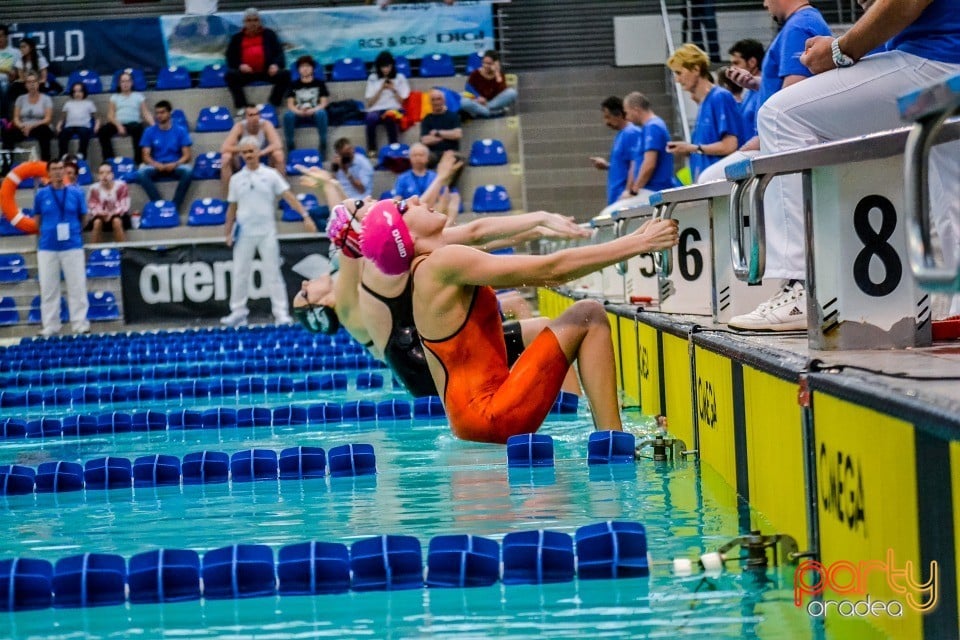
(852, 581)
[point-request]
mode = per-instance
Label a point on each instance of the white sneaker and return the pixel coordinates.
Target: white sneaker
(235, 319)
(786, 311)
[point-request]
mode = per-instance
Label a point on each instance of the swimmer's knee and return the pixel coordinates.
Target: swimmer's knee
(592, 311)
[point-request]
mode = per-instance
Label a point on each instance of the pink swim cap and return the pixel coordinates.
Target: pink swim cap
(385, 240)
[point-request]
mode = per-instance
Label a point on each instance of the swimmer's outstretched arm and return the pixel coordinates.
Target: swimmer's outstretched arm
(487, 230)
(317, 178)
(460, 265)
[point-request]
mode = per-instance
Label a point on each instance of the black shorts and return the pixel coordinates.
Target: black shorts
(513, 336)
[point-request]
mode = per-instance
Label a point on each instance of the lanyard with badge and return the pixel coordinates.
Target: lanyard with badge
(63, 228)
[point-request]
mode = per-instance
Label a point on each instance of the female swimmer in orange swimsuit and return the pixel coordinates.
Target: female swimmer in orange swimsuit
(456, 314)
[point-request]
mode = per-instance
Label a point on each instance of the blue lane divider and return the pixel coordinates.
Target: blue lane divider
(613, 549)
(261, 362)
(170, 390)
(611, 447)
(200, 467)
(530, 450)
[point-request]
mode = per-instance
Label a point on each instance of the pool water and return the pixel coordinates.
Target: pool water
(428, 483)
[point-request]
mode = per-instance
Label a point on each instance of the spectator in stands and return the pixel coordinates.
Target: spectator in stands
(251, 227)
(781, 68)
(700, 25)
(386, 90)
(492, 97)
(71, 170)
(271, 149)
(109, 203)
(353, 172)
(61, 211)
(126, 114)
(655, 172)
(32, 115)
(79, 119)
(440, 130)
(621, 167)
(748, 55)
(9, 57)
(256, 54)
(307, 103)
(456, 315)
(416, 181)
(852, 94)
(166, 152)
(33, 60)
(719, 128)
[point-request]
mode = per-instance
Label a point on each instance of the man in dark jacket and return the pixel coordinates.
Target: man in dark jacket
(254, 54)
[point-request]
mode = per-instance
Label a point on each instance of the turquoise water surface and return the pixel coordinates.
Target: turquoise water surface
(428, 483)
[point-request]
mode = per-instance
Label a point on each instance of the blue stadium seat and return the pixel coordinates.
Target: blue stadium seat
(33, 317)
(269, 112)
(309, 202)
(306, 157)
(402, 65)
(386, 195)
(214, 119)
(347, 69)
(206, 212)
(103, 306)
(487, 153)
(207, 166)
(491, 198)
(161, 214)
(180, 118)
(8, 312)
(173, 78)
(394, 157)
(437, 65)
(84, 175)
(104, 263)
(13, 268)
(122, 166)
(139, 79)
(87, 78)
(474, 61)
(212, 76)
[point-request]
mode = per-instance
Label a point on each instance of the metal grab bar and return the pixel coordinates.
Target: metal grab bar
(758, 226)
(663, 260)
(740, 267)
(916, 160)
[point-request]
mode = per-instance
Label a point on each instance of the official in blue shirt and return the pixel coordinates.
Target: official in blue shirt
(655, 172)
(719, 129)
(62, 213)
(166, 151)
(621, 168)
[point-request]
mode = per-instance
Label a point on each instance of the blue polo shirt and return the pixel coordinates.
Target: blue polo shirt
(935, 35)
(655, 138)
(624, 151)
(783, 57)
(410, 184)
(55, 206)
(719, 116)
(749, 107)
(166, 144)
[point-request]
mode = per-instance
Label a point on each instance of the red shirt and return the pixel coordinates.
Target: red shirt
(487, 87)
(251, 52)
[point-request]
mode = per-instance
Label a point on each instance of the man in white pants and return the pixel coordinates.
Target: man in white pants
(62, 211)
(251, 226)
(848, 97)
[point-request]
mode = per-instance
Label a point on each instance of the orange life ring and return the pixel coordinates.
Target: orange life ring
(8, 194)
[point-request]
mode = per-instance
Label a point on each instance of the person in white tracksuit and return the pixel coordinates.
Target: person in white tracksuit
(251, 227)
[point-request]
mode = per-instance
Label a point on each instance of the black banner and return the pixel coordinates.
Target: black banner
(193, 281)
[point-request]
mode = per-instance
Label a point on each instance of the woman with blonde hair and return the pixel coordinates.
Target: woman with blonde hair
(719, 128)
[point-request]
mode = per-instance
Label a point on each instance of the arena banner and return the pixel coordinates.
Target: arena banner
(101, 45)
(328, 34)
(194, 281)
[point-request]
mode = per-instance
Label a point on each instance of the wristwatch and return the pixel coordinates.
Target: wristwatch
(634, 192)
(699, 148)
(840, 59)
